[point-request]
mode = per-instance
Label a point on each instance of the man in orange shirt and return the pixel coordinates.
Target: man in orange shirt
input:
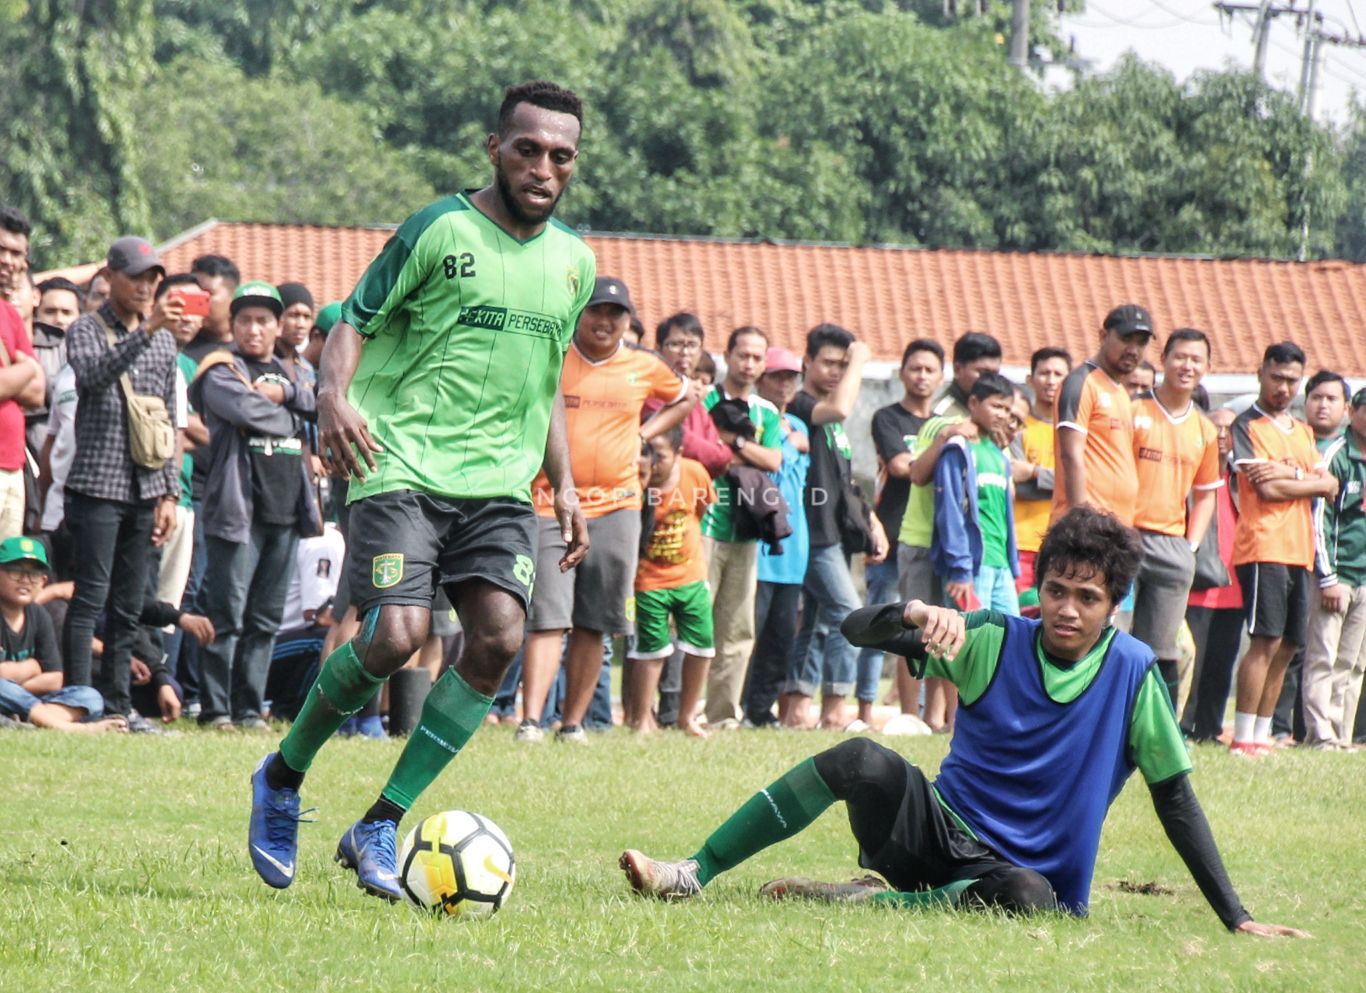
(1280, 472)
(605, 383)
(1094, 421)
(1177, 450)
(671, 582)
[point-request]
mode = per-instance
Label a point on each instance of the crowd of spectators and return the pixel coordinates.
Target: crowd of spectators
(159, 476)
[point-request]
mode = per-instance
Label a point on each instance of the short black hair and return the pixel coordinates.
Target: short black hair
(923, 345)
(1281, 353)
(59, 283)
(1148, 366)
(1084, 541)
(740, 332)
(176, 279)
(1049, 352)
(538, 93)
(674, 436)
(992, 384)
(13, 220)
(827, 334)
(973, 346)
(688, 323)
(217, 265)
(637, 328)
(1186, 334)
(1327, 376)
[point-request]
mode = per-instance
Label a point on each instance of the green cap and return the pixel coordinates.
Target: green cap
(257, 293)
(20, 549)
(328, 316)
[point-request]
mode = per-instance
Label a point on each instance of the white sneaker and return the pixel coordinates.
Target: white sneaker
(529, 731)
(572, 735)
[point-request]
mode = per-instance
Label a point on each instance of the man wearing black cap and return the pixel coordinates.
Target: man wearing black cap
(1094, 430)
(115, 506)
(605, 384)
(258, 502)
(296, 324)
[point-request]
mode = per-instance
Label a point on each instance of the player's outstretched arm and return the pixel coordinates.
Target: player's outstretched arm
(343, 433)
(913, 629)
(573, 526)
(1189, 832)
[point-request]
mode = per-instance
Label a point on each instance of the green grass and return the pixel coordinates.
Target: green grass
(123, 865)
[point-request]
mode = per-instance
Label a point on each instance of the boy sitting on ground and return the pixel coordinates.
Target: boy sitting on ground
(30, 665)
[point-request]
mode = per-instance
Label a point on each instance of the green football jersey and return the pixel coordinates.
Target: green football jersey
(466, 329)
(719, 520)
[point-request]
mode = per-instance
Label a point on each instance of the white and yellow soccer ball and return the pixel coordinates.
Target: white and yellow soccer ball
(457, 864)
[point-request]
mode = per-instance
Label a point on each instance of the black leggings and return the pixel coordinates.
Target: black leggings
(928, 849)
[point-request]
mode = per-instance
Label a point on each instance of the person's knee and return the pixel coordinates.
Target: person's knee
(855, 762)
(390, 634)
(1013, 891)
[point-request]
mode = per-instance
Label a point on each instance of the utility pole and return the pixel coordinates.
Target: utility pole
(1259, 33)
(1019, 34)
(1309, 64)
(1266, 11)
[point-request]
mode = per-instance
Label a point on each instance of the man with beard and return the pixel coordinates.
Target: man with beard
(1094, 424)
(438, 395)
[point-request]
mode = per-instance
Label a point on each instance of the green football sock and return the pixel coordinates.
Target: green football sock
(766, 818)
(342, 688)
(942, 896)
(451, 714)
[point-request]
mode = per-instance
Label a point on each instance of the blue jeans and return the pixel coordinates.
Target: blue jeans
(16, 702)
(244, 586)
(995, 587)
(821, 648)
(882, 588)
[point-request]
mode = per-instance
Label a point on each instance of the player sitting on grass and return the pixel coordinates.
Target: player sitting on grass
(30, 665)
(1056, 714)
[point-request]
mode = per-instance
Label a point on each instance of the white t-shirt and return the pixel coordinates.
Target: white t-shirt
(317, 568)
(61, 428)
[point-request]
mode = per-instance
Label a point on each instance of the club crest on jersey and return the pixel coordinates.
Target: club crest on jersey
(386, 570)
(571, 279)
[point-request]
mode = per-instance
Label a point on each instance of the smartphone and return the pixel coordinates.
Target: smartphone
(196, 300)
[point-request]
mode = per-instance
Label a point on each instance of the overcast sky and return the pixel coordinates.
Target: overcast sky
(1187, 35)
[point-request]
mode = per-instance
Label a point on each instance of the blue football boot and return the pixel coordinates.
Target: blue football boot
(273, 834)
(371, 850)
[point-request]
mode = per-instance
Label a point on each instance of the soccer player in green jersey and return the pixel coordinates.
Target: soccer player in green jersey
(439, 397)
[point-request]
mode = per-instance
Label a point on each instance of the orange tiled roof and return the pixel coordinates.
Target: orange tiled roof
(889, 295)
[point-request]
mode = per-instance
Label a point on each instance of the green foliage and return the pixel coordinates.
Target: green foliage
(869, 121)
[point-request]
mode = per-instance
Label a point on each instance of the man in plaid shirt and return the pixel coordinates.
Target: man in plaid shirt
(115, 508)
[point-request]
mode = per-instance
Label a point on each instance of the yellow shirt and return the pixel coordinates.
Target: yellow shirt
(1031, 516)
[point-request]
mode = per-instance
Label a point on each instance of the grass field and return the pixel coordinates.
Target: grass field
(123, 866)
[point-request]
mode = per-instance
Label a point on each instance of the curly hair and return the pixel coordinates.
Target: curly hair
(1085, 542)
(538, 93)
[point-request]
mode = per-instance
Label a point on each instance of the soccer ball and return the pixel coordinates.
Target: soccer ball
(457, 864)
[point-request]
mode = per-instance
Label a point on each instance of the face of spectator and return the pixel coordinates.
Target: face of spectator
(601, 328)
(20, 583)
(745, 362)
(778, 388)
(24, 297)
(313, 351)
(1138, 380)
(1019, 412)
(680, 351)
(1325, 407)
(1223, 424)
(1046, 380)
(130, 295)
(921, 374)
(704, 380)
(13, 257)
(220, 290)
(534, 160)
(1121, 354)
(97, 293)
(1075, 610)
(991, 414)
(295, 324)
(663, 456)
(254, 330)
(60, 308)
(187, 329)
(967, 373)
(1278, 382)
(1184, 365)
(826, 369)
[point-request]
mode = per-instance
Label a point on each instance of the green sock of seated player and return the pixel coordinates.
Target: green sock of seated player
(451, 714)
(941, 896)
(768, 817)
(342, 688)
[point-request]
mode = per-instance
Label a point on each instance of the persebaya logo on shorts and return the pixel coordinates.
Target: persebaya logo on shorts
(525, 571)
(387, 570)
